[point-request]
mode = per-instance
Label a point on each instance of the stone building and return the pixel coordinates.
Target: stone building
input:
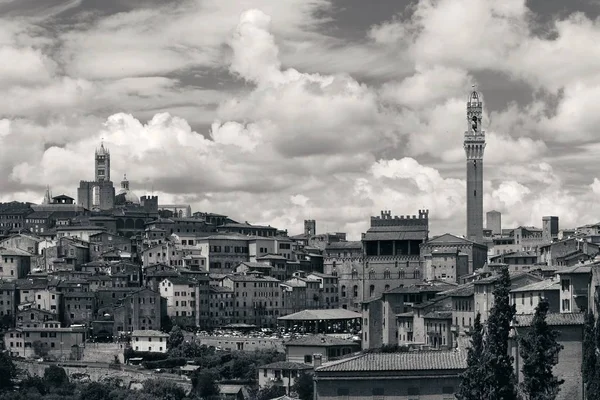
(476, 253)
(98, 194)
(392, 252)
(345, 260)
(14, 264)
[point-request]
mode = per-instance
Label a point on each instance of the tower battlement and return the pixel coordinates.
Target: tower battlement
(387, 219)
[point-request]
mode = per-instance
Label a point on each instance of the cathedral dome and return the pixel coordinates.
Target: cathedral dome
(126, 196)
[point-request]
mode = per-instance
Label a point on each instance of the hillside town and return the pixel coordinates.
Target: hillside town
(105, 280)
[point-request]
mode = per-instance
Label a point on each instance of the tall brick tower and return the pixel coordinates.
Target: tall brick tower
(474, 147)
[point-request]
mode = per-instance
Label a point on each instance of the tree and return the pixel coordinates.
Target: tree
(500, 380)
(56, 376)
(472, 384)
(205, 383)
(588, 366)
(539, 350)
(303, 386)
(268, 393)
(8, 371)
(166, 324)
(39, 349)
(163, 389)
(176, 338)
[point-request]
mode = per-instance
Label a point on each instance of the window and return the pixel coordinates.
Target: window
(354, 274)
(355, 291)
(371, 290)
(401, 274)
(387, 274)
(566, 305)
(343, 290)
(308, 359)
(566, 283)
(371, 275)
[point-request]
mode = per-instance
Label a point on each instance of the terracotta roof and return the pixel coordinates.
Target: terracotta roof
(312, 315)
(578, 269)
(438, 315)
(13, 252)
(286, 365)
(448, 238)
(344, 245)
(422, 288)
(409, 361)
(149, 333)
(252, 278)
(539, 286)
(554, 319)
(320, 340)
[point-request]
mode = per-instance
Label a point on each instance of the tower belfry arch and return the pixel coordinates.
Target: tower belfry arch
(474, 145)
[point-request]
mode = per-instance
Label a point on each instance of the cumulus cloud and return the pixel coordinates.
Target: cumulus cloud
(294, 133)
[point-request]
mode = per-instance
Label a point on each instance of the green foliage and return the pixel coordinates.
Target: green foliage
(499, 375)
(40, 349)
(146, 355)
(303, 386)
(268, 393)
(176, 338)
(163, 389)
(539, 350)
(168, 363)
(166, 324)
(472, 383)
(56, 376)
(8, 372)
(589, 349)
(204, 383)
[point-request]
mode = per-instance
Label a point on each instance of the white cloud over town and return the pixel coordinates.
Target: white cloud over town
(255, 109)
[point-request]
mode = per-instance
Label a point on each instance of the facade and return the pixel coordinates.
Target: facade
(345, 260)
(221, 307)
(63, 343)
(549, 228)
(493, 222)
(14, 264)
(445, 265)
(8, 301)
(281, 373)
(474, 145)
(21, 241)
(329, 348)
(149, 340)
(181, 300)
(526, 298)
(476, 253)
(224, 252)
(392, 252)
(79, 308)
(575, 289)
(257, 298)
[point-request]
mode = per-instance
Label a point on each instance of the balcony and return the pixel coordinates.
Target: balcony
(408, 328)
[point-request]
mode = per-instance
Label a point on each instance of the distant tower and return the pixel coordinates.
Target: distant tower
(310, 227)
(102, 172)
(474, 145)
(47, 196)
(493, 222)
(549, 228)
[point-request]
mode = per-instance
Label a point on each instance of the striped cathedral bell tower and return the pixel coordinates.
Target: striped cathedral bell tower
(474, 145)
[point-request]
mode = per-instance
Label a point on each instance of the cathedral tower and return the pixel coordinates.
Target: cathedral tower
(474, 145)
(102, 164)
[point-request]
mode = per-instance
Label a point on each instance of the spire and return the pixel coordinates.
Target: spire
(47, 196)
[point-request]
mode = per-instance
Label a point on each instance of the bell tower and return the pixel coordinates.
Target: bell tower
(474, 145)
(102, 172)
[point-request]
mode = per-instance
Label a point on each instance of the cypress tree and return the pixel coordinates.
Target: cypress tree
(588, 366)
(473, 379)
(500, 379)
(539, 351)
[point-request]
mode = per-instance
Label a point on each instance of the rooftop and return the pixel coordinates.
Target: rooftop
(313, 315)
(554, 319)
(149, 333)
(408, 361)
(538, 286)
(344, 245)
(286, 365)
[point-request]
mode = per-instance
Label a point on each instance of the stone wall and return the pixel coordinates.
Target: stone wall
(129, 375)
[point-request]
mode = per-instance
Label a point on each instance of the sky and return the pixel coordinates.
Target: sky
(273, 111)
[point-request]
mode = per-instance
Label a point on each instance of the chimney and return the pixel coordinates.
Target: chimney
(317, 360)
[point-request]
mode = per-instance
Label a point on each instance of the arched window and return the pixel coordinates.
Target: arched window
(333, 264)
(371, 290)
(387, 287)
(371, 274)
(401, 274)
(354, 274)
(334, 272)
(355, 291)
(416, 274)
(387, 274)
(343, 290)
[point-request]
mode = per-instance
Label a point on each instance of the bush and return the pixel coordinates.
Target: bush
(168, 363)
